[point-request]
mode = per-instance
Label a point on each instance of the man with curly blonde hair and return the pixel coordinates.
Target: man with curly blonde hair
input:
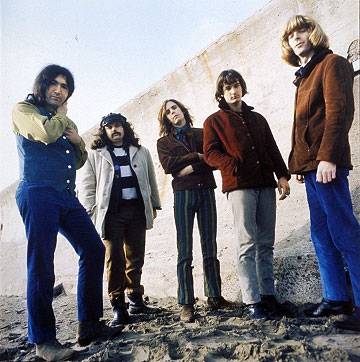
(320, 156)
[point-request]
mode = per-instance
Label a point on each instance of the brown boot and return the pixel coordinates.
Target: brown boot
(187, 313)
(53, 351)
(89, 331)
(215, 303)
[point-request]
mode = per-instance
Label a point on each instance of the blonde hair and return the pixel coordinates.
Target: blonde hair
(317, 38)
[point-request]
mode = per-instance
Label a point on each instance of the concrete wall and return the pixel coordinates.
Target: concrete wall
(253, 49)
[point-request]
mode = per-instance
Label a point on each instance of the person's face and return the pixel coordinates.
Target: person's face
(300, 43)
(232, 93)
(115, 133)
(174, 114)
(57, 92)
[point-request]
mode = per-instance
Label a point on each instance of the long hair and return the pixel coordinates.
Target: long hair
(130, 138)
(229, 76)
(165, 124)
(44, 79)
(317, 37)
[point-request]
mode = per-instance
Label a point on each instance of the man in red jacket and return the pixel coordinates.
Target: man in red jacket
(180, 154)
(320, 156)
(239, 142)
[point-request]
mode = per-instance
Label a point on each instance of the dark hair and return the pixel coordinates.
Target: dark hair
(165, 124)
(44, 79)
(102, 140)
(229, 76)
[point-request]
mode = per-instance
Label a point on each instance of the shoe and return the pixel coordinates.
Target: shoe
(53, 351)
(89, 331)
(351, 322)
(121, 315)
(272, 306)
(138, 306)
(328, 308)
(215, 303)
(256, 311)
(187, 313)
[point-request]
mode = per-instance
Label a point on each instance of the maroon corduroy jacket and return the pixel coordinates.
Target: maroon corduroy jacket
(174, 155)
(243, 148)
(324, 111)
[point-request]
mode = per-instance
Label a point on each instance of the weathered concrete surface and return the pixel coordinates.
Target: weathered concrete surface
(253, 49)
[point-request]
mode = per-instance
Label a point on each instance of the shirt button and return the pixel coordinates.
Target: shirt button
(64, 137)
(69, 166)
(248, 134)
(67, 151)
(257, 162)
(253, 147)
(67, 181)
(135, 166)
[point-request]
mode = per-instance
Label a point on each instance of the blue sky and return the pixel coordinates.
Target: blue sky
(115, 49)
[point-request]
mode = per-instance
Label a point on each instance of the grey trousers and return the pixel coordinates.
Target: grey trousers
(254, 212)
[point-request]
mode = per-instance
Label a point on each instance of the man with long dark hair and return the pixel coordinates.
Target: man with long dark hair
(180, 154)
(119, 191)
(50, 150)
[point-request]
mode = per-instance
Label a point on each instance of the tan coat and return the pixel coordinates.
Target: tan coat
(96, 178)
(324, 111)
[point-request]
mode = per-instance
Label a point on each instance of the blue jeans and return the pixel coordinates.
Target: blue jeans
(335, 233)
(46, 212)
(187, 203)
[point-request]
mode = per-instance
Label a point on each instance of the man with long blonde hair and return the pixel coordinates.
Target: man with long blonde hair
(320, 156)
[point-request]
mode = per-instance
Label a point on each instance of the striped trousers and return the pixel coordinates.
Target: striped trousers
(187, 203)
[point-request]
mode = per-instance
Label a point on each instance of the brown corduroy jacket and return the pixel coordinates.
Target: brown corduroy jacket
(324, 111)
(243, 148)
(174, 155)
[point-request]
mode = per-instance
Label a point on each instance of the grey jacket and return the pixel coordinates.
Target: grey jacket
(96, 178)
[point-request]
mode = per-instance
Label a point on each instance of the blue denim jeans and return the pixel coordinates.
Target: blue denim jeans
(187, 203)
(335, 233)
(46, 212)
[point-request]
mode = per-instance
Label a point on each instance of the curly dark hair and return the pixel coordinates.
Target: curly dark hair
(130, 138)
(44, 79)
(165, 124)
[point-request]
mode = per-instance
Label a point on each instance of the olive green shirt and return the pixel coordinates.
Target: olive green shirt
(28, 122)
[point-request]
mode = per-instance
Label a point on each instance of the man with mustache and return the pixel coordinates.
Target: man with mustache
(50, 150)
(119, 191)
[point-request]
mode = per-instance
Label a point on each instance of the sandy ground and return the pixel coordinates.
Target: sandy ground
(225, 335)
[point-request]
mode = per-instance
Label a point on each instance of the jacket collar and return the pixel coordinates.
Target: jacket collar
(103, 151)
(305, 71)
(225, 107)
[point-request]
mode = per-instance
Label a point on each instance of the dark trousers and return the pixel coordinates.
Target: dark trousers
(187, 203)
(335, 233)
(45, 212)
(125, 250)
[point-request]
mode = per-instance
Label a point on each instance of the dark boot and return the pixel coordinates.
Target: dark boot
(273, 307)
(137, 305)
(351, 322)
(256, 311)
(121, 315)
(328, 308)
(91, 330)
(215, 303)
